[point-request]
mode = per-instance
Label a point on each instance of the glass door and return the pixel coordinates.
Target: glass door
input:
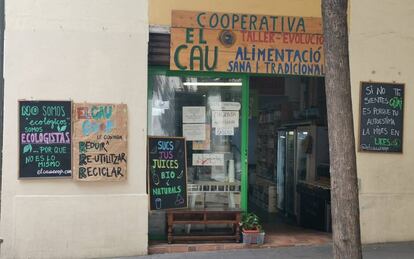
(209, 112)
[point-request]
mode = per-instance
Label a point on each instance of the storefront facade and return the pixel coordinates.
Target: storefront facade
(90, 52)
(226, 65)
(377, 223)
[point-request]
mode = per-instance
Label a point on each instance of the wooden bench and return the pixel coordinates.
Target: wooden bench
(204, 217)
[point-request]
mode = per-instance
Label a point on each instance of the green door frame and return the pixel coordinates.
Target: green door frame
(164, 70)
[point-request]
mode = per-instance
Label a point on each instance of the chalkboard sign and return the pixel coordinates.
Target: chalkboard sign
(381, 117)
(167, 173)
(45, 139)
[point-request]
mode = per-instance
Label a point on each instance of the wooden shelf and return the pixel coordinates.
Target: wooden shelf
(264, 191)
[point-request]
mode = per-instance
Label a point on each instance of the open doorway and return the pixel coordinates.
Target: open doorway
(289, 181)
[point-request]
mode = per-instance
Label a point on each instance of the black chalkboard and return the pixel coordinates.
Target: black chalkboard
(167, 173)
(45, 139)
(381, 117)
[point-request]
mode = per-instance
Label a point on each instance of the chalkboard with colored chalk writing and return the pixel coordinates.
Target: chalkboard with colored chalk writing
(45, 139)
(381, 117)
(167, 173)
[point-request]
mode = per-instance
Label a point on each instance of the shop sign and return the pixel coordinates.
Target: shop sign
(45, 139)
(246, 43)
(381, 117)
(100, 142)
(167, 172)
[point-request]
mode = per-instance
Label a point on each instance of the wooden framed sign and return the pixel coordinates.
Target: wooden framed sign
(246, 43)
(45, 139)
(100, 150)
(381, 117)
(167, 172)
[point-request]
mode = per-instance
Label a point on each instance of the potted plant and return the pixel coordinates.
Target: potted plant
(252, 229)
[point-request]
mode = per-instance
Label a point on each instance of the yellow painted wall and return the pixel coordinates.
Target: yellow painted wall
(160, 10)
(381, 47)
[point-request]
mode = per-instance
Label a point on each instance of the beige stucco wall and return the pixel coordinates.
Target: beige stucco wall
(84, 51)
(160, 10)
(382, 49)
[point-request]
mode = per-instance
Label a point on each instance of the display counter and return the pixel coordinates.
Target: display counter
(315, 205)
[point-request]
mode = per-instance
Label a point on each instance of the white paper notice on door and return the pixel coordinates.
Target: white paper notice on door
(193, 132)
(226, 106)
(224, 131)
(213, 159)
(225, 119)
(194, 114)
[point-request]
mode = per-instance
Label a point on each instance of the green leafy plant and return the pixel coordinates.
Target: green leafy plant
(250, 221)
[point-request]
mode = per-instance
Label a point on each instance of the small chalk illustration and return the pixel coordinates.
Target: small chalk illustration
(158, 203)
(180, 175)
(179, 200)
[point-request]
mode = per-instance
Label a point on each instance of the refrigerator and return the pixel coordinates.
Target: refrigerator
(301, 150)
(285, 168)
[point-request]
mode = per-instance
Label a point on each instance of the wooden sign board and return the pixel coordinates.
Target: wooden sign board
(100, 142)
(167, 172)
(245, 22)
(45, 139)
(381, 117)
(224, 42)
